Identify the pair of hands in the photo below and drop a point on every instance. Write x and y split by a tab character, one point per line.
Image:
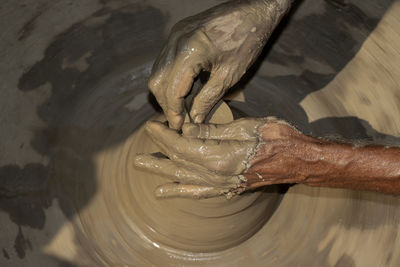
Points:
207	160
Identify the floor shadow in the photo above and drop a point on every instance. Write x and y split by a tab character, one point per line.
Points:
73	65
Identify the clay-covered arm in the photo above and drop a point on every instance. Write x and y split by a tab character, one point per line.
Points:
224	40
208	160
318	162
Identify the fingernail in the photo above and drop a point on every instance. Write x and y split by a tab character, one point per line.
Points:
152	127
178	122
159	192
148	127
175	120
198	119
174	126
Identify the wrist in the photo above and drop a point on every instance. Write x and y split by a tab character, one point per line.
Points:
266	12
328	161
278	7
284	5
270	13
285	155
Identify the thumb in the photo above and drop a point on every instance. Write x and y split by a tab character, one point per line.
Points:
244	129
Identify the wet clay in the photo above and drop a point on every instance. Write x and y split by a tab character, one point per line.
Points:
206	160
127	201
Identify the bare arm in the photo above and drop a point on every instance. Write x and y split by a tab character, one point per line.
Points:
317	162
210	160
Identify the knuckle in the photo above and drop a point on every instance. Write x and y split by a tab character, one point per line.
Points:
153	84
192	43
218	166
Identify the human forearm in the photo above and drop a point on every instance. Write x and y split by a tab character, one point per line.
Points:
215	159
318	162
372	168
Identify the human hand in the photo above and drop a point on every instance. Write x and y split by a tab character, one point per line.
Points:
209	160
224	40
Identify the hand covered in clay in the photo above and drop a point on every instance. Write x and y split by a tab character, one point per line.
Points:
224	40
209	160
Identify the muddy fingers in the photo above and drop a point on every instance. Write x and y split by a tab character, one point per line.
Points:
184	173
241	130
188	191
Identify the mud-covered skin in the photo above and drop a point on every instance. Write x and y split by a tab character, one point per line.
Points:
208	160
224	40
203	164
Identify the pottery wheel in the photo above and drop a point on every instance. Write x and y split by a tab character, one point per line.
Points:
73	100
125	217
